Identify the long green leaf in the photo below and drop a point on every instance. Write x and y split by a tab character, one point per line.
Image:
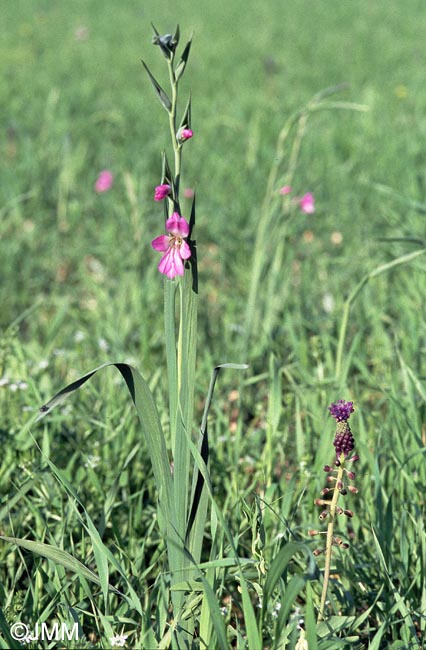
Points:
180	68
57	556
155	440
279	564
197	488
162	96
148	416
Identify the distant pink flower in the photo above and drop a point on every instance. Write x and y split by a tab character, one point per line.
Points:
104	181
174	246
184	134
188	192
307	204
286	189
161	191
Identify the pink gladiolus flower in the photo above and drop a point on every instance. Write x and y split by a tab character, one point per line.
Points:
161	191
174	246
307	204
286	189
184	134
104	181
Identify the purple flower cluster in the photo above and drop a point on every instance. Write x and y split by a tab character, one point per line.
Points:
343	441
341	410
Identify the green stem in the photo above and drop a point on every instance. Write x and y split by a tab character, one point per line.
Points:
329	540
172	126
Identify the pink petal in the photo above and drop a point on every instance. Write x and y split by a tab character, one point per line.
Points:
172	223
104	181
171	264
185	251
177	225
185	134
307	204
161	191
161	243
183	227
286	189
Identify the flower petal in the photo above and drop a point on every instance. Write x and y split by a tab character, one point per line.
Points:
172	224
177	225
185	251
171	264
161	191
183	227
166	265
307	203
161	243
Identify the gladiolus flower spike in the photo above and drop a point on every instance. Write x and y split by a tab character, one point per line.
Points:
338	477
174	246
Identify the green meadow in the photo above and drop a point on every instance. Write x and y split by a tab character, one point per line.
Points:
327	97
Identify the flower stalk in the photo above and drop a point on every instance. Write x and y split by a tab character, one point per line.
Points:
179	266
338	476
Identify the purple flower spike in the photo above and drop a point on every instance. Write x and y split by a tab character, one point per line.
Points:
341	410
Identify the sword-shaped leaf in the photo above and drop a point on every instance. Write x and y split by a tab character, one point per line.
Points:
151	427
180	68
162	96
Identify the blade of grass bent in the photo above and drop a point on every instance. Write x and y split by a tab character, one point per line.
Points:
57	556
154	436
148	416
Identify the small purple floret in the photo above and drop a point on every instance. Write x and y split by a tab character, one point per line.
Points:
341	410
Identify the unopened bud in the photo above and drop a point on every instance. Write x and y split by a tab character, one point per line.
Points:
322	502
349	513
323	515
353	489
318	551
327	468
351	475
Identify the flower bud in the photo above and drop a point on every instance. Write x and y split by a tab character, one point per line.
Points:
184	134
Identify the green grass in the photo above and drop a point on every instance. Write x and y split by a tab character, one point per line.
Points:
80	287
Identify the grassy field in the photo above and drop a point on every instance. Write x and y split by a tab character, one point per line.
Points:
321	306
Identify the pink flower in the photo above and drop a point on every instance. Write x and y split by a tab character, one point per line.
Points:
286	189
173	246
184	134
307	204
188	192
104	181
161	191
